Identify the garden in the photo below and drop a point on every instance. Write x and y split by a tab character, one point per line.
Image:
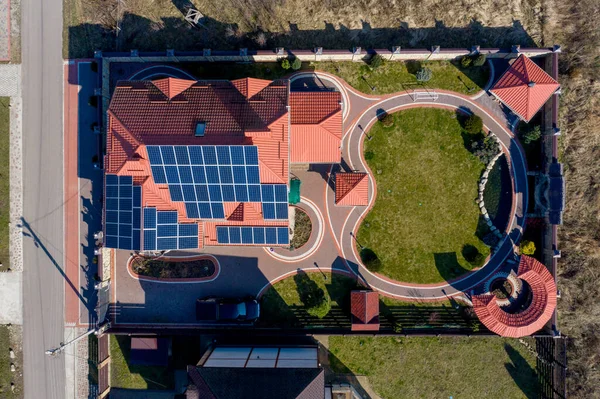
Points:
425	224
302	229
170	269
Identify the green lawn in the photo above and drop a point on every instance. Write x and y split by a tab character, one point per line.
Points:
425	211
438	367
128	376
7	376
4	181
398	76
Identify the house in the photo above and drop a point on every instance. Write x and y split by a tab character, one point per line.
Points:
196	163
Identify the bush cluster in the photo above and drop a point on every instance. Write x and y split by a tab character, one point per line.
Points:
424	75
527	247
529	134
473	124
472	60
485	149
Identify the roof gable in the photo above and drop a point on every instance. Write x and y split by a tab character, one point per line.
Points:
250	86
171	87
351	189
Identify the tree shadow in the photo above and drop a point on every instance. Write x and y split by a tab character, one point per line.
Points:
522	373
309	292
448	266
413	66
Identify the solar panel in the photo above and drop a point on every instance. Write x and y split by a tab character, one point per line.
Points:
281	210
223	235
195	155
167	234
190	230
191	210
254	193
181	155
122	212
247	235
150	240
154	155
172	174
111	179
168	155
185	174
166	217
251	155
210	155
259	235
149	218
237	155
188	242
270	235
283	235
228	192
176	193
268	210
235	235
189	194
253	174
223	155
158	174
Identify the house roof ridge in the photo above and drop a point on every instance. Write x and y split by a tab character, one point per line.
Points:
354	183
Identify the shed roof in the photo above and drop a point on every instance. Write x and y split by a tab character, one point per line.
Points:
351	189
365	310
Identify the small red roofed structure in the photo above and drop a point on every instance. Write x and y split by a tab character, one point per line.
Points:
529	320
365	310
351	189
524	88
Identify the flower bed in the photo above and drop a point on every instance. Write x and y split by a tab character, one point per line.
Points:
167	268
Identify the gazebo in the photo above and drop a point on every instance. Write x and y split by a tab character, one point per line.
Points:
524	88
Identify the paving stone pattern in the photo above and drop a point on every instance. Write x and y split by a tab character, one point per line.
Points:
4	30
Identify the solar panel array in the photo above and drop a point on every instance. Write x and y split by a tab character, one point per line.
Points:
123	212
162	232
206	176
245	235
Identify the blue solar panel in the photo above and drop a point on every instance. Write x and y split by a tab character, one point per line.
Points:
150	240
235	236
112	229
202	193
241	193
125	217
137	196
112	204
226	175
125	230
185	174
251	155
268	193
125	204
166	217
125	191
222	235
259	235
112	217
205	212
158	174
215	193
254	193
228	192
125	180
237	155
188	242
281	193
195	155
135	240
247	235
172	174
136	219
188	230
191	209
125	242
217	211
253	174
281	210
212	174
112	191
112	179
166	230
149	218
168	155
198	174
181	154
283	235
163	244
239	174
154	155
176	193
210	155
271	235
223	155
268	209
112	241
189	194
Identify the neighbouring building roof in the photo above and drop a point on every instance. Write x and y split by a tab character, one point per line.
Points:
192	120
149	351
364	306
316	127
556	193
527	321
256	383
524	87
351	189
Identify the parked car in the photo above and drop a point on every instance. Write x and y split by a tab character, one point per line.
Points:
227	309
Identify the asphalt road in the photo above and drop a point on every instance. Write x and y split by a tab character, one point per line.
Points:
43	283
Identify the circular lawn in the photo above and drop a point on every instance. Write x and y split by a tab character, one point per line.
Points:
425	219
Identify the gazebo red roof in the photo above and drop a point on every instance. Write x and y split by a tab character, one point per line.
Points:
530	320
351	189
365	310
524	88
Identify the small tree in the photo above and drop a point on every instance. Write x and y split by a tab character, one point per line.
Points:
285	63
376	61
387	120
532	134
424	75
473	124
479	60
296	64
527	247
261	39
466	61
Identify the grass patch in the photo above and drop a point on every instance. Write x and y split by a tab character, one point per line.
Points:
4	181
438	367
302	229
399	75
124	375
425	211
498	193
7	376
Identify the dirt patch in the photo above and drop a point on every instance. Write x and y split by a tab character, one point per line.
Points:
168	269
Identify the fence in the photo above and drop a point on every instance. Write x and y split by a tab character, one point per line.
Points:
552	367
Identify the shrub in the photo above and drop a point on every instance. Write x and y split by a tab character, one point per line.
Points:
285	64
485	149
424	75
387	120
466	61
473	124
527	247
376	61
472	255
369	155
370	259
296	64
531	134
479	60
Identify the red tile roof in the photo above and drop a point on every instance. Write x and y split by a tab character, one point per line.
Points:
313	107
351	189
529	321
250	86
365	310
525	87
171	87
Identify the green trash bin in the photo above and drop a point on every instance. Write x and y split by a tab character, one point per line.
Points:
294	191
